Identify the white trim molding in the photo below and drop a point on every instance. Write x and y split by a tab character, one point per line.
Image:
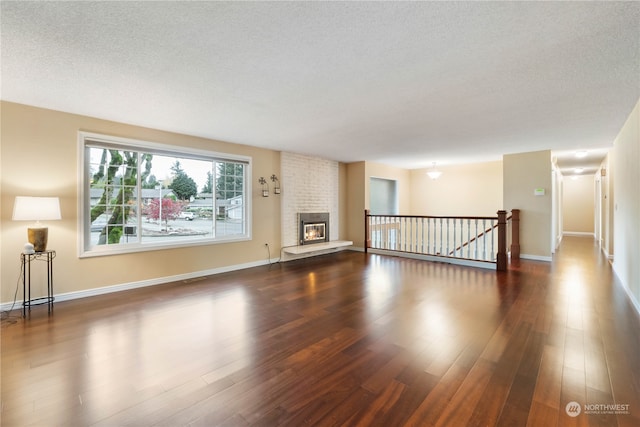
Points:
67	296
579	234
632	299
536	257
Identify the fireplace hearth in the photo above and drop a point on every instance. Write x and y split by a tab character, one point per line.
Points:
314	228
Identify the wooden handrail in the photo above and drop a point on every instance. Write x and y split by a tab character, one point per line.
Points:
432	217
465	244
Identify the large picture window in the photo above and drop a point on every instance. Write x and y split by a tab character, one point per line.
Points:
140	196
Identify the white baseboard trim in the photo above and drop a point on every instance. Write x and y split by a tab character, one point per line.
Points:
143	283
634	302
578	234
536	257
456	261
606	254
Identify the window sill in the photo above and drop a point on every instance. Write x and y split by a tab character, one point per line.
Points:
137	248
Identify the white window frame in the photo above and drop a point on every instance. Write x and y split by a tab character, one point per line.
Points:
84	201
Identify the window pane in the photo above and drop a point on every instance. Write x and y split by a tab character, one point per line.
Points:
230	212
183	214
137	197
113	175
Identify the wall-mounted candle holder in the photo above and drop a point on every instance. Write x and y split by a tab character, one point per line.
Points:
276	184
265	187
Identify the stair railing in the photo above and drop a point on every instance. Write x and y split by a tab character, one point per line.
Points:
467	239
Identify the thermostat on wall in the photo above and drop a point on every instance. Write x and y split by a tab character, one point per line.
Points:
538	192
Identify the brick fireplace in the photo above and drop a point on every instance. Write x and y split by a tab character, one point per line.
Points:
309	185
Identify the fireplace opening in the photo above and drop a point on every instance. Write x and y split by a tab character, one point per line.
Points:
314	228
314	231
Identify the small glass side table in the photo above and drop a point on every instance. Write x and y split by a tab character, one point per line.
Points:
26	260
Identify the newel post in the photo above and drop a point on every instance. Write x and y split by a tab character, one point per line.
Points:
515	234
501	261
367	237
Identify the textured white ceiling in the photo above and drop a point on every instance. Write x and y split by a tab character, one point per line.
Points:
402	83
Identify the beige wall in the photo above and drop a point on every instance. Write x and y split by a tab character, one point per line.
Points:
401	176
39	158
470	189
578	205
358	177
522	174
557	188
626	206
356	202
604	178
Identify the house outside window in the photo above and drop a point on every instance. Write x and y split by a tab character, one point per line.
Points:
138	196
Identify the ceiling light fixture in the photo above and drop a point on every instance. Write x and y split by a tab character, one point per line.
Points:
578	170
581	154
433	172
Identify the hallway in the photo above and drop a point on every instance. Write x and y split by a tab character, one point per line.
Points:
592	351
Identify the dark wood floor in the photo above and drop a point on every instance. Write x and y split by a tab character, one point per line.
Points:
344	339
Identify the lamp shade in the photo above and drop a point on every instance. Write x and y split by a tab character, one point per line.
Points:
36	208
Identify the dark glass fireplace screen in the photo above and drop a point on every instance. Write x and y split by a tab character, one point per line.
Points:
314	231
314	228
